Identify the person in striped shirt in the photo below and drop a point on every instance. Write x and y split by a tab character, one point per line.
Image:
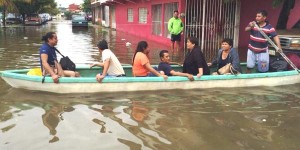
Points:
258	45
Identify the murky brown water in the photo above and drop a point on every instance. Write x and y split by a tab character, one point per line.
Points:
245	118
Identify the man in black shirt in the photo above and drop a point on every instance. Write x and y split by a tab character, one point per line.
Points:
165	66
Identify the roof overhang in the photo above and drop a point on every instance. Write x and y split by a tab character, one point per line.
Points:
113	2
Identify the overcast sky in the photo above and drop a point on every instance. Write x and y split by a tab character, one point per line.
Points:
66	3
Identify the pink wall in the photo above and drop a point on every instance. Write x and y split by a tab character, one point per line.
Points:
248	12
136	28
294	15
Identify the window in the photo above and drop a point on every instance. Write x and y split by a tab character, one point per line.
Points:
142	15
130	15
103	12
157	19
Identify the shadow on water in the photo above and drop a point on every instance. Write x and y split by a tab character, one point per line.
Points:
256	118
224	118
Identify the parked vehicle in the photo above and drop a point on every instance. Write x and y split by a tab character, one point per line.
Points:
54	17
13	20
289	44
33	19
79	21
43	18
88	17
48	17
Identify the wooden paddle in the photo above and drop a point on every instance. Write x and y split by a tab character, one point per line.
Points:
277	48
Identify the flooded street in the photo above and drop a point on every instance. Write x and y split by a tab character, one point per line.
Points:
227	119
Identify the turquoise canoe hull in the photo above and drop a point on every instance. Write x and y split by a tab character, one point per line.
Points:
88	84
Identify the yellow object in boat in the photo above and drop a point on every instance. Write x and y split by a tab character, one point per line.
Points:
35	72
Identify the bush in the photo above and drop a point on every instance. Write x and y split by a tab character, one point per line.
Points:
68	15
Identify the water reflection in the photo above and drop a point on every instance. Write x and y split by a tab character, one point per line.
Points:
19	45
52	116
235	119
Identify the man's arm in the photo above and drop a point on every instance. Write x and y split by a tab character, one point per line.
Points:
97	64
105	66
181	27
250	26
104	72
175	63
149	68
170	25
200	72
189	76
277	41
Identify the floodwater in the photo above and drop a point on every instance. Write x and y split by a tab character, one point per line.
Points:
227	119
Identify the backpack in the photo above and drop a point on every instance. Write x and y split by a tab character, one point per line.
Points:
66	63
277	64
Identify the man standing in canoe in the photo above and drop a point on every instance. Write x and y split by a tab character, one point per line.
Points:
258	46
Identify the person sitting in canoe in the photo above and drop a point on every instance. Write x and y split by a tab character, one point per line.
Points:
165	66
227	54
111	65
48	59
194	62
140	63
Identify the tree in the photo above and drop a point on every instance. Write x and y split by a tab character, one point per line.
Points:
36	6
86	6
284	13
9	5
6	5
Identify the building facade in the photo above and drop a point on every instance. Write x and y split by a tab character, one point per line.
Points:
208	20
74	8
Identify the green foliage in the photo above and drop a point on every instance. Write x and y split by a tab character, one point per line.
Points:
7	5
36	6
68	15
23	7
86	6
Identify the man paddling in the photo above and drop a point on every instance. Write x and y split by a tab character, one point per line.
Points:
258	46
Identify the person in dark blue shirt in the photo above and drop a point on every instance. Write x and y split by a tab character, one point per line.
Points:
165	66
48	59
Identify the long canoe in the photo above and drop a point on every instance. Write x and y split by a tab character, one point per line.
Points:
87	82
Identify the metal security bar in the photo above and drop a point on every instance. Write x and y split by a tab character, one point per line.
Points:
211	21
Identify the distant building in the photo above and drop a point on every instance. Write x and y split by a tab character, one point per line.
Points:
74	8
100	13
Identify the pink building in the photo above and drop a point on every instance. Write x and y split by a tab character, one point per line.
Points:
248	13
148	19
209	20
74	8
